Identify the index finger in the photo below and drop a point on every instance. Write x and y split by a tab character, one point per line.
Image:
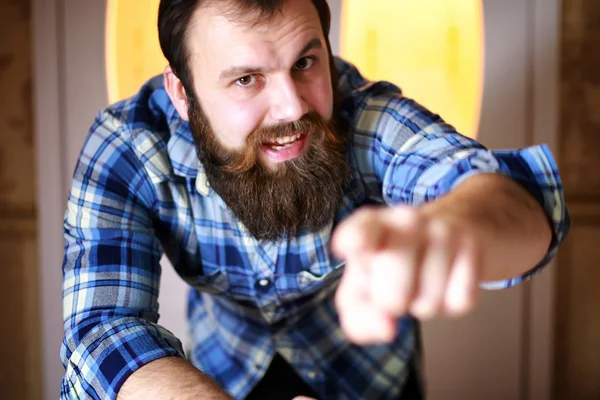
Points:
369	229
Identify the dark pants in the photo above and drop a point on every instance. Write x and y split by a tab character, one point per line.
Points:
282	383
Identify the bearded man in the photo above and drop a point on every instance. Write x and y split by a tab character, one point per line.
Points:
316	216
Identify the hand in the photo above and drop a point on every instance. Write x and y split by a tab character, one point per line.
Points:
399	260
303	398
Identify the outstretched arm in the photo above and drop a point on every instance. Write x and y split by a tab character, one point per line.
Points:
430	260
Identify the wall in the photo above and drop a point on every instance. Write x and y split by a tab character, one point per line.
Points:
577	363
19	327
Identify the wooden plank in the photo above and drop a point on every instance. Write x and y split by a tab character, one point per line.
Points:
16	131
580	94
577	367
20	370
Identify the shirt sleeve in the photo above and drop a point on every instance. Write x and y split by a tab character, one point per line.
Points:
408	155
111	270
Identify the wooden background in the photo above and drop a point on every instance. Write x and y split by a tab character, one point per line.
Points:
19	323
577	362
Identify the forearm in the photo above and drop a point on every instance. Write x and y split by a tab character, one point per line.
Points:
508	222
170	378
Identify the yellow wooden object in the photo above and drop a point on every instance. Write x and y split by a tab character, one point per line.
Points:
432	49
133	52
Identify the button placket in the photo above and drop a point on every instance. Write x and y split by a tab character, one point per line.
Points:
265	258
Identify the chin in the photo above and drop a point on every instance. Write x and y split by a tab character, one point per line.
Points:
273	166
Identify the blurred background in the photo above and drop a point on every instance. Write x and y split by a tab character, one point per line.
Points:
509	72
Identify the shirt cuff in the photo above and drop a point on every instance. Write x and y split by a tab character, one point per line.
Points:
533	167
112	351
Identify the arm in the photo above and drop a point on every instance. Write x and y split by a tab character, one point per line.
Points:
459	217
170	378
111	278
510	226
429	260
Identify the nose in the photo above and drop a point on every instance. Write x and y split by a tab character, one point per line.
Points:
287	103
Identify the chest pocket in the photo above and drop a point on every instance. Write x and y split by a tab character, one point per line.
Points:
216	282
309	281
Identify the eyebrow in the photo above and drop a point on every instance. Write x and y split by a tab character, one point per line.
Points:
243	70
312	45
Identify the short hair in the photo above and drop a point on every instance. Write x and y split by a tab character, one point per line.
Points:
174	18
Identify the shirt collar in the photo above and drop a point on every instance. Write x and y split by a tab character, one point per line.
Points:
181	147
182	152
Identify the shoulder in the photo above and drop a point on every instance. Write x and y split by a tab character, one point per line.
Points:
378	110
140	126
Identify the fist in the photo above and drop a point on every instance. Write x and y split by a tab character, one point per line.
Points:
398	261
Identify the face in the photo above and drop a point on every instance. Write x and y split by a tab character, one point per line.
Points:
261	116
248	76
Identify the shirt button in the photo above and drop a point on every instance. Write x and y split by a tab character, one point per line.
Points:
264	282
311	375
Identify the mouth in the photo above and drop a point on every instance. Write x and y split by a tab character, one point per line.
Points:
285	148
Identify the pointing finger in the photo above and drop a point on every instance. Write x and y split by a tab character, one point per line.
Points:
368	229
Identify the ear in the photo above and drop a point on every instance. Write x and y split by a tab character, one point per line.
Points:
176	93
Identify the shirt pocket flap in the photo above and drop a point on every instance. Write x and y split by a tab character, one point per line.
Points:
309	281
215	282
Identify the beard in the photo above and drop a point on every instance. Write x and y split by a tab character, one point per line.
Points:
275	203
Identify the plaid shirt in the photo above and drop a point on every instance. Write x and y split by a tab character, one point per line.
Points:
139	191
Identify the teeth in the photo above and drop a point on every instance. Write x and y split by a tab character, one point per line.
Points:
288	139
278	148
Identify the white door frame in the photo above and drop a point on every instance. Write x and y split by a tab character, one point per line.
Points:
51	187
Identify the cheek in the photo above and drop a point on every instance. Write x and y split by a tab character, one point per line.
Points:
319	95
234	122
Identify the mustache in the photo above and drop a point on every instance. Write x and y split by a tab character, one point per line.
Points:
310	124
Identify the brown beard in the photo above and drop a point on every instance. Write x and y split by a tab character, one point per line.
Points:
303	193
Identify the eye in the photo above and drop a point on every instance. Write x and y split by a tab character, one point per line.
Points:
304	63
247	80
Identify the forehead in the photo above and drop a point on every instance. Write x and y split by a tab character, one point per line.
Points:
217	39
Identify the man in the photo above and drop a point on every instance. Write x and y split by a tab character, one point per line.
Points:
316	216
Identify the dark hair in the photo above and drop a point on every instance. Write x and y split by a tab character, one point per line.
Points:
174	18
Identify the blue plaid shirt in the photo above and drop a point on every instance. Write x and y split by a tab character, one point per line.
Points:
139	192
